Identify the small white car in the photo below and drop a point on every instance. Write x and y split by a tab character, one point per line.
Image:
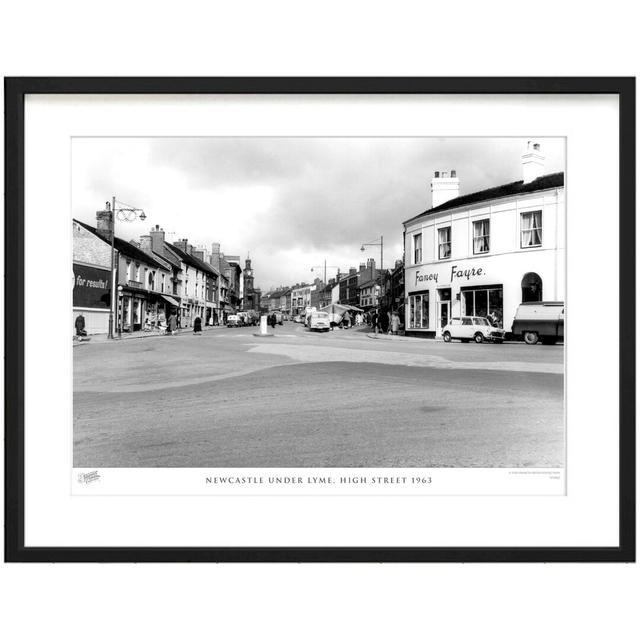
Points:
474	328
318	321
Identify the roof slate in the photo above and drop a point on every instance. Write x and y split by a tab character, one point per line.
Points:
549	181
192	261
124	247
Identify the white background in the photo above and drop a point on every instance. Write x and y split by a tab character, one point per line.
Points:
331	38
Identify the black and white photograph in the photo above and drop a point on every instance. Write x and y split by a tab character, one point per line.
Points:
318	302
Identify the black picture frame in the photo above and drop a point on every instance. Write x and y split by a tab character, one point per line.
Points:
15	91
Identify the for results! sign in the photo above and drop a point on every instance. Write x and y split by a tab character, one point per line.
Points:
91	287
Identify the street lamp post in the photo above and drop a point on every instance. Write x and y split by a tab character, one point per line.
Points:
125	213
120	310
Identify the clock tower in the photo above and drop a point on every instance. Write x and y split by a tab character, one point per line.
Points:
248	302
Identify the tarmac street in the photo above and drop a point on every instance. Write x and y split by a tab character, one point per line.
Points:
226	398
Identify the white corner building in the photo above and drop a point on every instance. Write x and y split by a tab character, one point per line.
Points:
485	253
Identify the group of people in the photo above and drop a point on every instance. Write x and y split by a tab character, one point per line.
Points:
385	321
379	321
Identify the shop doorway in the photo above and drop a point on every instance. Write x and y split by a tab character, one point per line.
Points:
444	309
445	315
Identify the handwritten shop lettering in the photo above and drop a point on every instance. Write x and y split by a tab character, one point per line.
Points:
465	273
426	277
456	274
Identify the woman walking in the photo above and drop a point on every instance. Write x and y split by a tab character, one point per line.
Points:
173	324
395	323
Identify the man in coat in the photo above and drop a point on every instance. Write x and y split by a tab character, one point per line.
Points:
80	330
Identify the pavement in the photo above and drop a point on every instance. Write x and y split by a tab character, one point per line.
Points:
225	398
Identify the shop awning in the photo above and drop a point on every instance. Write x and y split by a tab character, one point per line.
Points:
170	301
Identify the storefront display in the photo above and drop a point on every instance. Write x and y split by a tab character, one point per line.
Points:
419	311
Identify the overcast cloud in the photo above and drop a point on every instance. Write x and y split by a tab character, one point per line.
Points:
289	202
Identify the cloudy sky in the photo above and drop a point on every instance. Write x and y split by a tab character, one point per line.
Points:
291	203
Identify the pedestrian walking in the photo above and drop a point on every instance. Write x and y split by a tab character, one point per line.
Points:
173	324
197	325
395	323
80	330
383	321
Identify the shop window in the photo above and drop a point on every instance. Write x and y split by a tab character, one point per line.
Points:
444	243
417	248
481	236
531	229
485	303
531	287
419	311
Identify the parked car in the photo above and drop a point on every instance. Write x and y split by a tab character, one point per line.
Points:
539	321
476	328
234	321
299	318
318	321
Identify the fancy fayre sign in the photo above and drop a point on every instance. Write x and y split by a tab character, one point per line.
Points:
90	287
452	273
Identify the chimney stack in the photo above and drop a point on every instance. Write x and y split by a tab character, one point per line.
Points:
157	240
146	244
104	222
215	255
445	186
532	162
352	271
183	245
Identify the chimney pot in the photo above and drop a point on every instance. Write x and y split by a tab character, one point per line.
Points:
532	162
444	187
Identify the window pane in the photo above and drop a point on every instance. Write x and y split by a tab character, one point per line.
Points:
482	303
468	303
481	236
425	311
495	306
417	248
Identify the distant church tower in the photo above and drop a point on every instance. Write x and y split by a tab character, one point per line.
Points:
248	301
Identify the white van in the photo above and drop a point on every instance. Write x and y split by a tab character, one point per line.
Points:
539	321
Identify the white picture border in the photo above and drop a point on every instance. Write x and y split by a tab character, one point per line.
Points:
586	516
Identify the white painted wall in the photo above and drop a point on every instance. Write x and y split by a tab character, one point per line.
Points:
506	262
